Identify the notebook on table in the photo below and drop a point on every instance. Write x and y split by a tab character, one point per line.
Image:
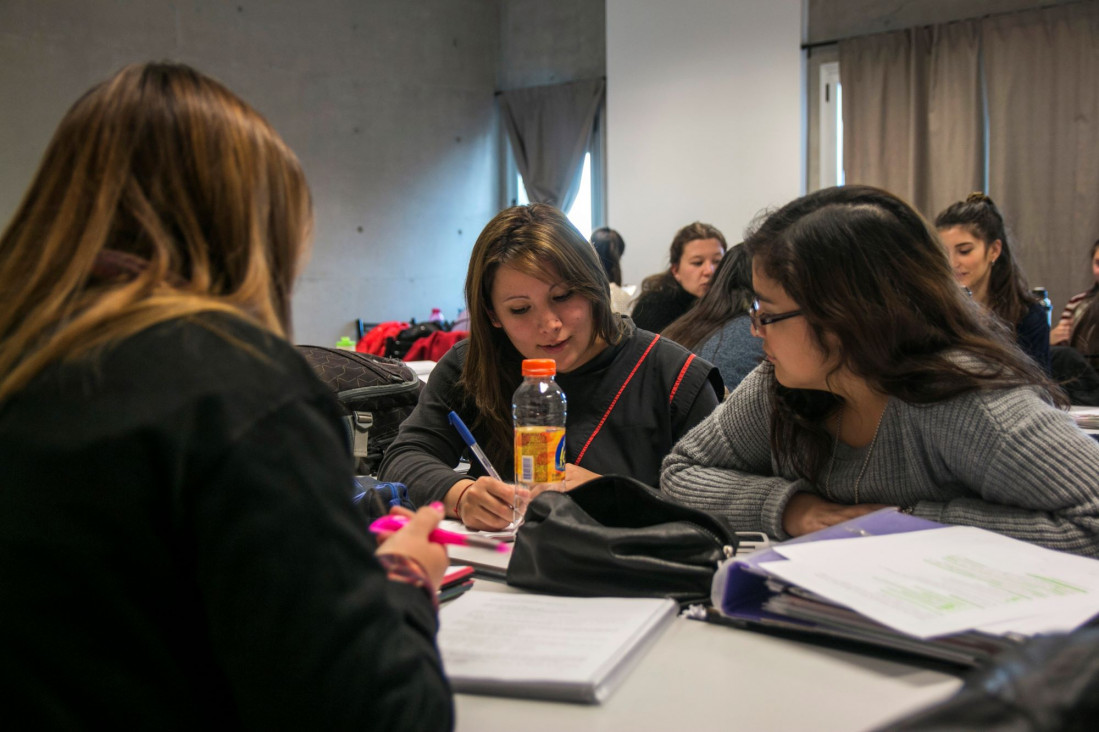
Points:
575	649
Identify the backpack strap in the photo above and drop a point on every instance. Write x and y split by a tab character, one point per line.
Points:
618	394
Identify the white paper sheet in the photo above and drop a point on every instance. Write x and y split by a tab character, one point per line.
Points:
942	581
459	528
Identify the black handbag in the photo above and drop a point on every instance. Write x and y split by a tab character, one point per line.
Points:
617	537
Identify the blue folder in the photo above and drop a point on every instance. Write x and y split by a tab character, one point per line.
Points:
743	592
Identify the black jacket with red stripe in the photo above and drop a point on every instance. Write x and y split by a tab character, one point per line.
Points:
669	391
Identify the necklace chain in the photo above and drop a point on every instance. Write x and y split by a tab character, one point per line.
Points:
865	462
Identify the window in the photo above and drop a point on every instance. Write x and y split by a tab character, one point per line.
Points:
831	126
580	213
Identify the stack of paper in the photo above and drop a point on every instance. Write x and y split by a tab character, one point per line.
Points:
1086	417
956	593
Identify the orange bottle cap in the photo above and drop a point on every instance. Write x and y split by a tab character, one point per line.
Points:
539	367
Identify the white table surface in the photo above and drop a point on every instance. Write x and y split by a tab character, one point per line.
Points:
704	676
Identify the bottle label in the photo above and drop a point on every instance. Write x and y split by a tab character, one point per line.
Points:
539	454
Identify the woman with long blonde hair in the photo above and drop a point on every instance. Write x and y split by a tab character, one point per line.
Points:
178	541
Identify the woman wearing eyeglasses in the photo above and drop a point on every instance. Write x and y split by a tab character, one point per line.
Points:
884	385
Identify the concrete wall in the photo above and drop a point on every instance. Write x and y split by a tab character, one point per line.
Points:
551	42
704	118
388	103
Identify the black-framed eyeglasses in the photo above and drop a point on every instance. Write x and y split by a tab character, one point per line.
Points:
759	321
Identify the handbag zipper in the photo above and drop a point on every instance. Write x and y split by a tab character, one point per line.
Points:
727	549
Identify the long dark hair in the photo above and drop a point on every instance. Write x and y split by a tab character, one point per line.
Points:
1009	295
539	241
1094	289
867	269
161	195
697	230
730	295
610	246
1085	325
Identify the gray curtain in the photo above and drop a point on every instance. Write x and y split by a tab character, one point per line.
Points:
912	113
1042	73
550	128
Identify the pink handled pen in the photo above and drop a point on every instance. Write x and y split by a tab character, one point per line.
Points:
439	536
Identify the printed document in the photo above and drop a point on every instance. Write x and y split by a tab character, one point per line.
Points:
949	580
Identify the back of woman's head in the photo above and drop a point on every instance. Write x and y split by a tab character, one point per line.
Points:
730	295
609	246
866	268
1008	294
538	241
161	194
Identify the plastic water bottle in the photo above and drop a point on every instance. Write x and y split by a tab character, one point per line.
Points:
538	410
1043	299
436	316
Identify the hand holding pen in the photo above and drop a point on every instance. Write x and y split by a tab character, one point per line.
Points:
471	443
395	522
485	503
412	539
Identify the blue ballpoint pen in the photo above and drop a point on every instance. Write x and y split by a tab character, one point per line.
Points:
467	436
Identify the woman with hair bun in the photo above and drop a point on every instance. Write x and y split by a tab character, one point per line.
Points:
884	385
973	233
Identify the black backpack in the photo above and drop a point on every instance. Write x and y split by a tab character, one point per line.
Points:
398	346
377	394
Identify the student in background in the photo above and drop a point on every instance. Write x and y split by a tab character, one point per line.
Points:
693	256
974	235
535	289
1077	304
718	327
885	386
1074	342
178	543
609	246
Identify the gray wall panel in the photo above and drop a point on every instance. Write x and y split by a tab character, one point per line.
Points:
388	103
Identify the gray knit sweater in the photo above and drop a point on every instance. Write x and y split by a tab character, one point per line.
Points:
1003	460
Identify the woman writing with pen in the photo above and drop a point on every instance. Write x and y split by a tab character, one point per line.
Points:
535	289
179	548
